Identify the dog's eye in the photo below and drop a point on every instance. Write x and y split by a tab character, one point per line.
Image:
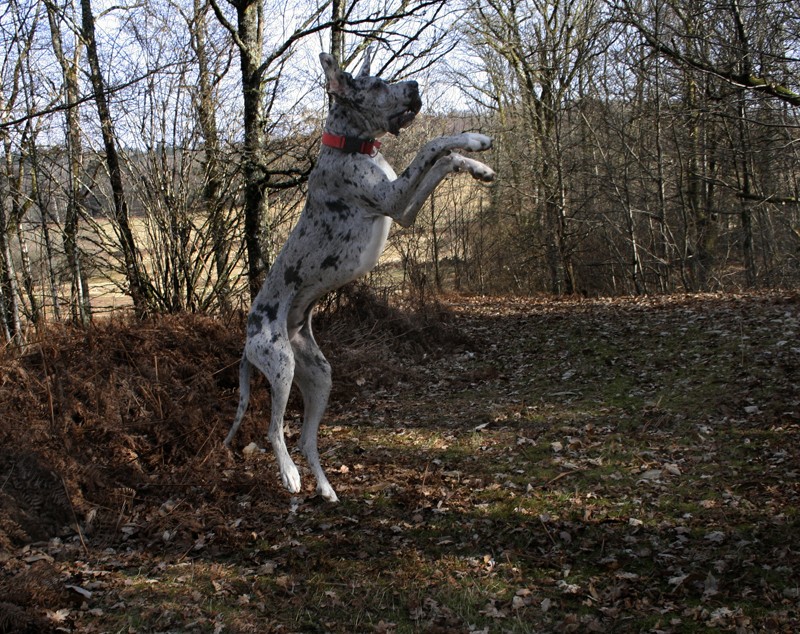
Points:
378	85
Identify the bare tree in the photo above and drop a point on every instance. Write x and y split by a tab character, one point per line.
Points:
80	306
746	56
213	168
719	39
534	53
139	285
12	98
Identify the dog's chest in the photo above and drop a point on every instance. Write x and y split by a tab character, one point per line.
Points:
346	218
374	243
335	241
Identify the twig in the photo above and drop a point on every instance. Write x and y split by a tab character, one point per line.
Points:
562	475
541	521
425	475
8	477
74	516
49	392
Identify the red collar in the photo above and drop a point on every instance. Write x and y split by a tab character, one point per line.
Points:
351	144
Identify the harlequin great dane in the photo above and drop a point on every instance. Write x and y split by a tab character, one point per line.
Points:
353	196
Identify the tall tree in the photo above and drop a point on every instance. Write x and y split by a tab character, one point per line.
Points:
139	285
248	34
543	46
12	99
213	168
80	306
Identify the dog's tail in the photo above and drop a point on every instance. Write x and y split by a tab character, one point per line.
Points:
244	397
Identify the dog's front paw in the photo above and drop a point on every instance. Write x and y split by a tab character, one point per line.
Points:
484	174
475	142
476	169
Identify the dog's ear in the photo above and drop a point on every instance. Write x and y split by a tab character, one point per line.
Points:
335	82
364	72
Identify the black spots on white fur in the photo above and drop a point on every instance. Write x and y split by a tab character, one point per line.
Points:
292	277
255	322
340	208
270	311
327	230
331	262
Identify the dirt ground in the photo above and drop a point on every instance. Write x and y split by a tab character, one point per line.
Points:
504	465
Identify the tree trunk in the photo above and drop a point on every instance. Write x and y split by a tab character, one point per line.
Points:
213	184
9	293
79	303
137	282
250	32
337	30
705	230
36	194
10	287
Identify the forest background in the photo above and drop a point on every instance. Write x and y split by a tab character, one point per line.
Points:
512	457
155	154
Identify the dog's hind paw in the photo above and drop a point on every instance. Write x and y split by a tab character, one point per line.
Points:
326	492
291	478
475	142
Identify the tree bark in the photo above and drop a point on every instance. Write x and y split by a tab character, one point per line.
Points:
80	306
250	31
213	172
138	285
337	30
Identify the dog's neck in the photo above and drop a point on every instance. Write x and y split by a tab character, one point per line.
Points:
345	120
351	144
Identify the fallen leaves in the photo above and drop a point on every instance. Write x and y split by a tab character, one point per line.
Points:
587	466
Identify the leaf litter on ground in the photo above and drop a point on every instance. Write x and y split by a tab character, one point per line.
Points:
506	465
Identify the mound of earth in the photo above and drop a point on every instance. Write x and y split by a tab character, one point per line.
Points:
96	418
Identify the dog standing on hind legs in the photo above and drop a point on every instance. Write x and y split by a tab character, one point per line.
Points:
353	197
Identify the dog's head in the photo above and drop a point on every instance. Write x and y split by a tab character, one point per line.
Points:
370	106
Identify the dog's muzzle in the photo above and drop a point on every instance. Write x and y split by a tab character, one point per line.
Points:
404	118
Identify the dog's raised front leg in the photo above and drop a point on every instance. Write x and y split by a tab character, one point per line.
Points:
406	216
432	151
398	195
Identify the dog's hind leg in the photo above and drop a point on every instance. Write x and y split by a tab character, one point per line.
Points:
272	354
313	377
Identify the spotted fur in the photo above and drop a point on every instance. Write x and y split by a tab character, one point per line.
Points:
352	201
